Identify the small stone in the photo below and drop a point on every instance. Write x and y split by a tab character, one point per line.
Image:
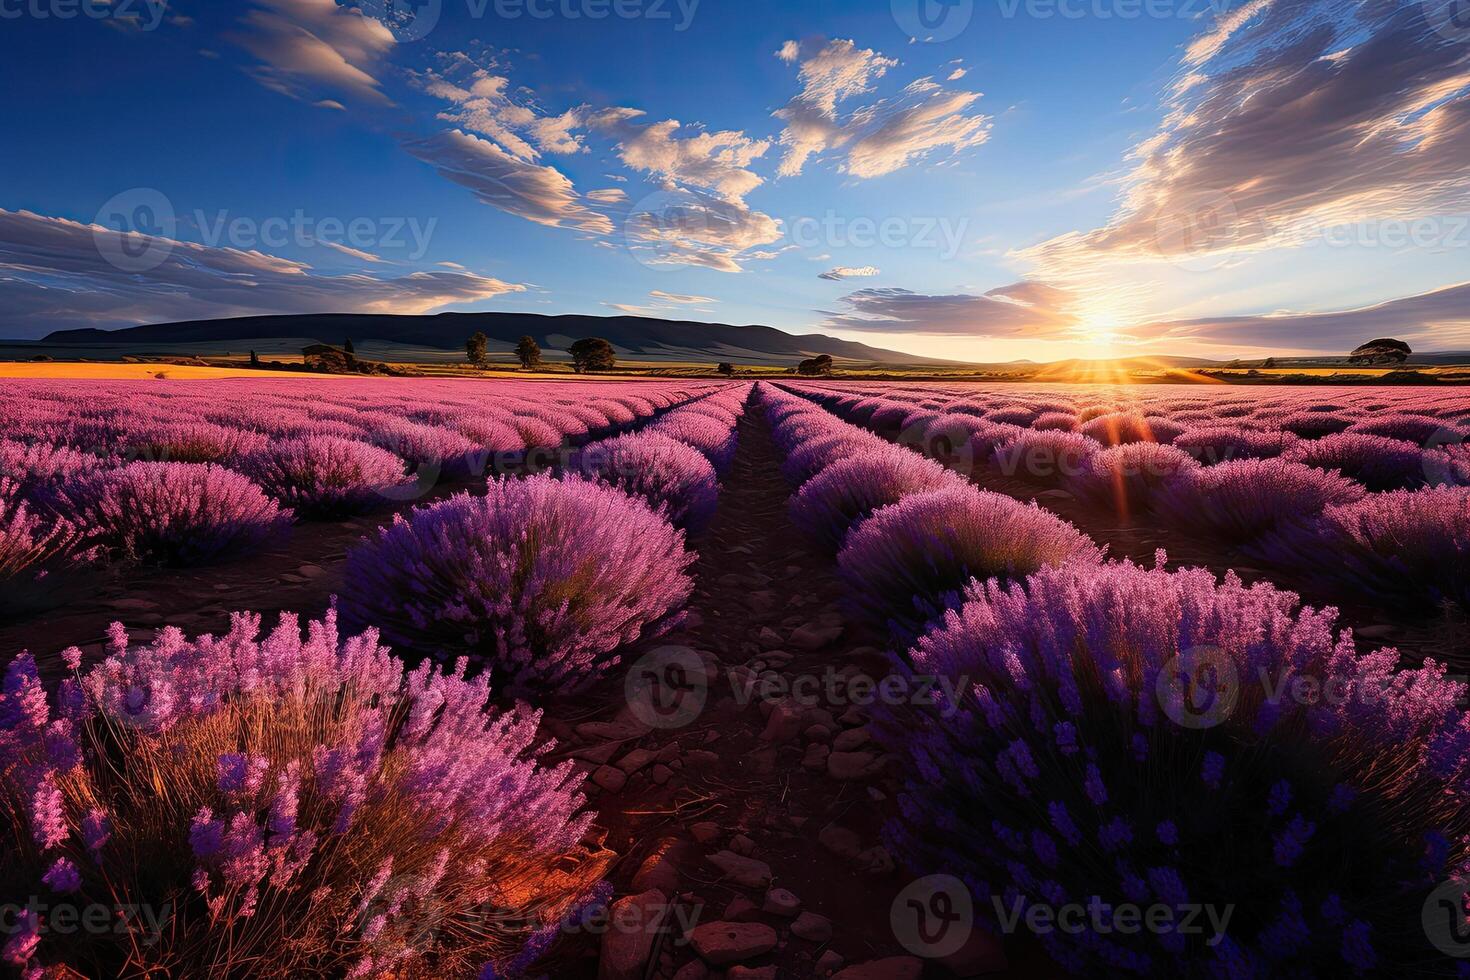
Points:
853	738
818	733
812	927
744	871
605	730
814	637
699	758
705	832
639	758
768	638
829	961
610	779
742	845
815	758
723	943
693	970
892	968
626	949
740	909
598	755
782	902
662	774
751	973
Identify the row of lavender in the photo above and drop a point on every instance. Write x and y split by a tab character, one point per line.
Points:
1375	480
1122	738
293	805
192	472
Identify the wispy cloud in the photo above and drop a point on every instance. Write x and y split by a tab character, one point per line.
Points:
849	272
304	46
537	193
54	274
1023	310
681	298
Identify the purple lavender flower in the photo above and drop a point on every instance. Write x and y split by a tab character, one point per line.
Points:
543	579
63	876
170	513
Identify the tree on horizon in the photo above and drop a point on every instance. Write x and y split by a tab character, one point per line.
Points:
476	348
528	352
592	354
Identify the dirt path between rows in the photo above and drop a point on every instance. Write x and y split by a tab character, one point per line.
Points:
765	815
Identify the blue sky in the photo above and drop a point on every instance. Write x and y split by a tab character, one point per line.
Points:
1035	178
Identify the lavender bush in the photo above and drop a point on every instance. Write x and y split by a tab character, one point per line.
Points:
27	539
1217	444
1246	498
1411	427
1117	428
541	580
713	438
1126	478
324	477
168	513
912	559
1377	462
1044	457
852	487
293	806
1062	774
671	476
1401	547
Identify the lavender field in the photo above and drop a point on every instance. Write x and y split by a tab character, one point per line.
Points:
616	679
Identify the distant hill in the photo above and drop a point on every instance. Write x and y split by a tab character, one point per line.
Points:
634	337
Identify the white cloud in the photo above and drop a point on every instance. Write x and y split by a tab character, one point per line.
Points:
689	156
882	136
849	272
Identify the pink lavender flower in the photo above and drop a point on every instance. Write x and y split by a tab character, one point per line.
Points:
324	477
48	813
170	513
